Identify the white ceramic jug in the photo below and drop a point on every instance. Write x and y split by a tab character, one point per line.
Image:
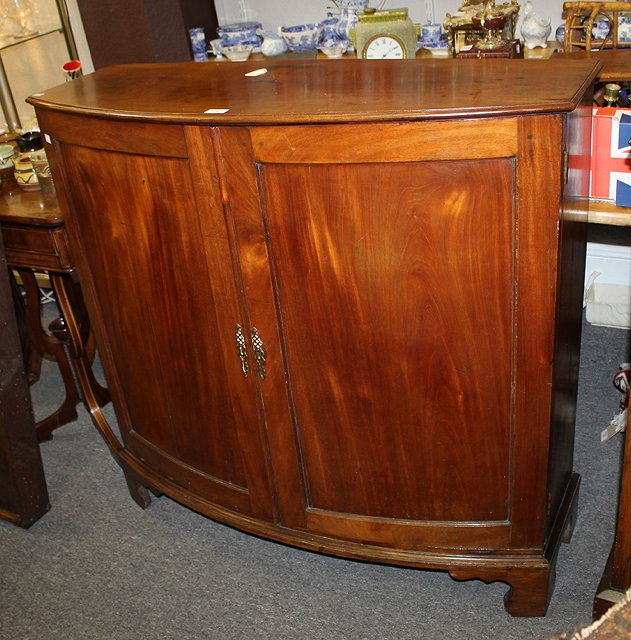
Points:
534	30
273	44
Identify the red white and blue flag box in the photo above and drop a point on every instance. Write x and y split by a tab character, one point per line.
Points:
611	155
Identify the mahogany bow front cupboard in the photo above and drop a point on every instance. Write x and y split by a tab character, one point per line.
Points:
332	313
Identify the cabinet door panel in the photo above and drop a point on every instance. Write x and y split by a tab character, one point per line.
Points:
395	289
170	305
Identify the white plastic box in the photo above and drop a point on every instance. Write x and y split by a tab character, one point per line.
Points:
608	285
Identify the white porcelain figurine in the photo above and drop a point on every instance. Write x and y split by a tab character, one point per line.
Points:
534	30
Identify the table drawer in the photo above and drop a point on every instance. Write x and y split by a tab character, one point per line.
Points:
37	248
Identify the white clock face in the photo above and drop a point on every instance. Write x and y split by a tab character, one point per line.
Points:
384	47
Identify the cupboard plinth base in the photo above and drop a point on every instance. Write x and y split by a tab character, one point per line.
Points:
530	574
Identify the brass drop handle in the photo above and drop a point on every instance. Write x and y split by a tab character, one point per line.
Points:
260	356
242	350
258	348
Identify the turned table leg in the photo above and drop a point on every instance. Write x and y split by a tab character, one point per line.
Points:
74	326
48	344
68	341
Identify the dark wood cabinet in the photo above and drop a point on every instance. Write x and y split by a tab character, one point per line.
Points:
121	31
334	315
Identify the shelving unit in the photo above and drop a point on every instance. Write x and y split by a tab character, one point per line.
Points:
601	212
580	21
9	47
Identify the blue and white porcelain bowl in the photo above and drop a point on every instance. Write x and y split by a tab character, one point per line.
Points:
334	49
238	52
240	33
302	37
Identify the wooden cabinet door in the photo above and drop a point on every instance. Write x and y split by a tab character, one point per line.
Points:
412	378
149	222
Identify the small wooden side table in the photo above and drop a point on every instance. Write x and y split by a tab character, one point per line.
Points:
35	239
616	68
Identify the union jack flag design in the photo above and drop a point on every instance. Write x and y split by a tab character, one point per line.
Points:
611	155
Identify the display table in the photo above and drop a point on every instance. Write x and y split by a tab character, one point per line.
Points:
338	303
602	212
36	240
616	62
616	68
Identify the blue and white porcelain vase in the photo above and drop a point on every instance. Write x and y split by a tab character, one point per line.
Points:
330	36
559	34
534	30
349	16
624	28
601	29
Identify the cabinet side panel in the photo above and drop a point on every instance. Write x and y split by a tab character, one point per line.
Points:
395	285
572	251
539	172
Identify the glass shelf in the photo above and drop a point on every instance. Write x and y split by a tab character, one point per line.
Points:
6	42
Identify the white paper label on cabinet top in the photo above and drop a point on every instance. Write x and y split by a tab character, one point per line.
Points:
216	110
256	72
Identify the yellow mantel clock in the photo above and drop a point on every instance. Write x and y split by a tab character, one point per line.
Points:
385	34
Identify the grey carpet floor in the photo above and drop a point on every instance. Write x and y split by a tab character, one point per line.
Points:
97	566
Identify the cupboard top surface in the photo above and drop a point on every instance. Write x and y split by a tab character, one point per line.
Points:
309	91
